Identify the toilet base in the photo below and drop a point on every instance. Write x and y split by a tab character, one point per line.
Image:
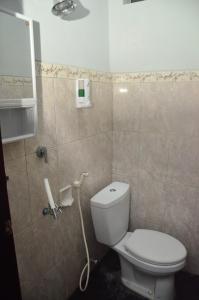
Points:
145	284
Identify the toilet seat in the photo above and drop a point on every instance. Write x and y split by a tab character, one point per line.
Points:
155	248
151	268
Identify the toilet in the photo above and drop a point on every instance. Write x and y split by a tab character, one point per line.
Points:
149	259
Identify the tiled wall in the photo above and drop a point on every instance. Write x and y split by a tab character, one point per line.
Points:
156	149
13	87
155	142
50	253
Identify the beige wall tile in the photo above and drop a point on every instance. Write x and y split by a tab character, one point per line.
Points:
18	194
127	107
102	95
47	236
55	283
183	159
154	153
38	170
155	115
33	290
182	109
28	249
45	91
149	209
67	125
92	155
170	107
46	134
46	131
13	151
181	218
153	147
125	152
98	118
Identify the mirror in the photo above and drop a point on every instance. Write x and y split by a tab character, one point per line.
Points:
18	103
16	57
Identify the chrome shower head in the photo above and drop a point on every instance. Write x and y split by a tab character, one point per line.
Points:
63	7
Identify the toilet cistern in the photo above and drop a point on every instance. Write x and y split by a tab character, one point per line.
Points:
149	259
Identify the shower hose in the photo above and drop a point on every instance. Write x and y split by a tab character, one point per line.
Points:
86	269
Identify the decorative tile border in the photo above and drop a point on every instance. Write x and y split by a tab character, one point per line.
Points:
61	71
15	80
156	76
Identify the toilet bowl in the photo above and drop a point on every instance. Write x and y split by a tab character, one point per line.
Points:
149	259
149	278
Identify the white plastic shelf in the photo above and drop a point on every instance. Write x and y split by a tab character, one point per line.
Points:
17	123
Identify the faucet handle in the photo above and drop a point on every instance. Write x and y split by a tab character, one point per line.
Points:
42	152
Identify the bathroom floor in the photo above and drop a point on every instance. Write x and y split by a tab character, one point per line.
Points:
105	284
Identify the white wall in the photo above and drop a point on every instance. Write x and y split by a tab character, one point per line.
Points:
154	35
82	43
150	35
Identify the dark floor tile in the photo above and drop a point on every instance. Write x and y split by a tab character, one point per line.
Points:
187	286
105	284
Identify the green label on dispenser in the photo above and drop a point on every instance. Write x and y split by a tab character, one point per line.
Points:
81	93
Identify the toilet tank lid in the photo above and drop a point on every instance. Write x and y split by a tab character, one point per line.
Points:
110	195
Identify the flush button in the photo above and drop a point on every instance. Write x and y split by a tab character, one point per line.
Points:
113	190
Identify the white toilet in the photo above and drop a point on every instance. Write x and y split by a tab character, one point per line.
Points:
149	259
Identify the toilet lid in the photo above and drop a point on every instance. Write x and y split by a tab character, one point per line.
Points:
155	247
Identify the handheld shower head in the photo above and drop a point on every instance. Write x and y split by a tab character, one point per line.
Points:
63	7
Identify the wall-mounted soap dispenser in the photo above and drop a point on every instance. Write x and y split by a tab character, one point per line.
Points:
83	93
